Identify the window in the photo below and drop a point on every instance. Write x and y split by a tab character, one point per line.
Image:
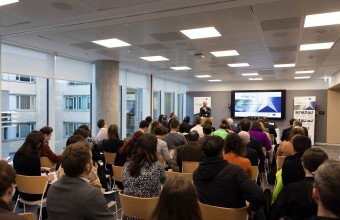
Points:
134	103
169	103
23	129
156	104
77	103
20	78
72	83
25	102
180	103
17	78
70	127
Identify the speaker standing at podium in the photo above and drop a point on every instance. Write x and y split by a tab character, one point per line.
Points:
205	111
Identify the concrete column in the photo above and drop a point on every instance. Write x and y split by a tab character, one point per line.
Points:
107	91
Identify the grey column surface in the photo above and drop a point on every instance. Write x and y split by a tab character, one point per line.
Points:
107	91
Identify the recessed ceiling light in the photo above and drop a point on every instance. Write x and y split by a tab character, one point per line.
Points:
198	33
154	58
111	43
319	46
284	65
202	76
214	80
225	53
255	78
249	74
322	19
302	77
180	68
7	2
304	71
238	64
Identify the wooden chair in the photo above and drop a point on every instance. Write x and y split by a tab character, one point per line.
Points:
109	157
162	160
140	208
32	185
279	162
189	166
46	162
28	216
185	175
255	173
117	174
219	213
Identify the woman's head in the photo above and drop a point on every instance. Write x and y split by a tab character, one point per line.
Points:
47	132
312	158
180	193
154	125
295	131
33	143
256	126
112	131
235	144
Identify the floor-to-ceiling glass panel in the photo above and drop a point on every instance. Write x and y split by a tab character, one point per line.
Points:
169	103
73	104
180	100
24	108
134	102
156	104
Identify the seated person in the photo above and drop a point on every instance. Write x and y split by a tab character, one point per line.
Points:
197	126
286	131
221	131
257	132
142	173
47	152
162	146
207	131
71	197
295	200
235	151
113	142
286	147
220	183
251	153
174	139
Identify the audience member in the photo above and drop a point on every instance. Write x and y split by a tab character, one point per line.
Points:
271	128
172	116
295	200
165	121
221	131
257	132
197	126
192	151
46	151
235	152
174	139
128	148
71	197
162	146
220	183
251	154
183	129
148	119
142	173
153	126
208	121
26	161
207	131
160	118
7	183
325	191
298	123
102	133
286	147
234	128
187	120
178	201
286	131
113	142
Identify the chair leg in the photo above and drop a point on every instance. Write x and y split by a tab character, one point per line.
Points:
16	203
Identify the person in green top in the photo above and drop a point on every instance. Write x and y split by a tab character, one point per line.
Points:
222	130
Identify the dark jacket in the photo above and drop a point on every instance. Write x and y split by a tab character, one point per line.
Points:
295	201
292	170
285	134
252	156
6	212
189	152
219	183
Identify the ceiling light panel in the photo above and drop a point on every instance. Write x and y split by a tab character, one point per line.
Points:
154	58
322	19
180	68
238	64
284	65
255	78
202	76
249	74
214	80
199	33
304	71
225	53
302	77
7	2
111	43
318	46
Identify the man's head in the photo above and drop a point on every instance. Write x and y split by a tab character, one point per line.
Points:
230	121
244	124
297	123
325	191
184	127
101	123
81	132
265	119
313	158
74	139
174	124
160	131
7	181
301	143
213	146
205	103
207	129
143	125
193	136
77	160
245	136
148	119
291	121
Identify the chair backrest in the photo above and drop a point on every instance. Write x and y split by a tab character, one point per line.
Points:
46	162
117	172
219	213
162	160
185	175
141	208
109	157
189	166
255	173
271	139
32	184
279	162
28	215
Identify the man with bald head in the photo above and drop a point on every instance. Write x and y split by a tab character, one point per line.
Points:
205	111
